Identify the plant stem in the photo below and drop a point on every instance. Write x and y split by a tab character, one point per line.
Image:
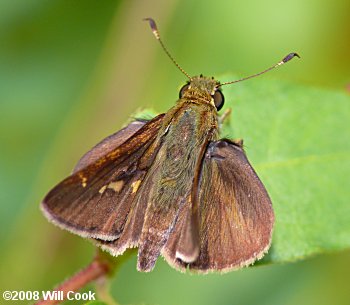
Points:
98	268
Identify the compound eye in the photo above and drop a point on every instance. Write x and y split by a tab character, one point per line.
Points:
218	99
183	89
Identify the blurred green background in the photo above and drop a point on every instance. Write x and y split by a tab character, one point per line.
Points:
72	72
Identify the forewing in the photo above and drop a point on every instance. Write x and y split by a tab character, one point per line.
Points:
235	213
96	199
108	144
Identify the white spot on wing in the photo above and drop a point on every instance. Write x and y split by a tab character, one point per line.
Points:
116	185
135	186
83	180
102	189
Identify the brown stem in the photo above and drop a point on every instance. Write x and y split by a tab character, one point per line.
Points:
96	269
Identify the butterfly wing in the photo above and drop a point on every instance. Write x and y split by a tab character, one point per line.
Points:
167	186
235	214
95	200
108	144
203	207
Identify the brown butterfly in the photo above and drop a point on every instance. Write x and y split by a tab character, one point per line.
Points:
170	187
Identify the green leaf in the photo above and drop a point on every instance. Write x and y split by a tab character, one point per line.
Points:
297	139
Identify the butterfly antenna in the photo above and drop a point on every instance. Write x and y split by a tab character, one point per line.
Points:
155	31
283	61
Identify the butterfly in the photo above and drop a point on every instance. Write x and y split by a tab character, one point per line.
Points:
170	186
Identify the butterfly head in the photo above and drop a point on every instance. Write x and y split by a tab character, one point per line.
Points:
202	87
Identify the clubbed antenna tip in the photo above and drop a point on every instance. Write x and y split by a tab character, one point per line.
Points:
283	61
153	26
289	57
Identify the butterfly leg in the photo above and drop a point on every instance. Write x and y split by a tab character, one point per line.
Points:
225	116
